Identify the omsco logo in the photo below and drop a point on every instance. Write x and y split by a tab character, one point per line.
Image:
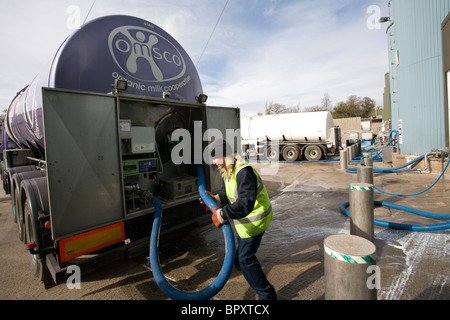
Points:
146	55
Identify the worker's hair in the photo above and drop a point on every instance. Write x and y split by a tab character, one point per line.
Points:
230	162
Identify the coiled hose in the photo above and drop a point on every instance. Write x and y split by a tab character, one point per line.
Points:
228	263
417	193
402	226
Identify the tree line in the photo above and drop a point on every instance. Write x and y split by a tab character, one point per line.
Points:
354	107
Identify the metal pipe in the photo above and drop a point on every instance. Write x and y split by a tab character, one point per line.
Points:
426	163
39	161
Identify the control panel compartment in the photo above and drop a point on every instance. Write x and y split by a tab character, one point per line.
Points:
139	166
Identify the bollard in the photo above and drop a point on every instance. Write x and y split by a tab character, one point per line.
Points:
349	154
364	174
355	150
343	158
348	157
348	264
368	159
361	210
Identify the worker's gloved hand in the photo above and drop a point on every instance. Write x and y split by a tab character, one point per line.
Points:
217	218
215	197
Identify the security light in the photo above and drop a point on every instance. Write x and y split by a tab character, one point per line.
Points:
202	98
120	85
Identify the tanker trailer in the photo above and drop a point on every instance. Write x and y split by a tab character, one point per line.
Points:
290	136
94	143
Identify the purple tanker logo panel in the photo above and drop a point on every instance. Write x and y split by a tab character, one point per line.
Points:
126	48
146	55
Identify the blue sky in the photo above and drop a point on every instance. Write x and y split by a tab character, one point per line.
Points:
282	51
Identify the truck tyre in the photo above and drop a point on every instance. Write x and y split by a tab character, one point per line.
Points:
313	153
35	199
16	198
290	153
272	153
19	217
35	262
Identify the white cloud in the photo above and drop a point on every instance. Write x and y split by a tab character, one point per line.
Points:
314	53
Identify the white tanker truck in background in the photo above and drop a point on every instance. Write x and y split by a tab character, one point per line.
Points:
290	136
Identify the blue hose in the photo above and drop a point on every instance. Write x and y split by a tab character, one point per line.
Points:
390	170
227	266
417	193
402	226
247	157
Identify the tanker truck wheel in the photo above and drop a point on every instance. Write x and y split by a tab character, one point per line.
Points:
35	262
290	153
35	200
19	216
313	153
272	153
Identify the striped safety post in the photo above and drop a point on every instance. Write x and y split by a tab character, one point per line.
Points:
350	267
362	210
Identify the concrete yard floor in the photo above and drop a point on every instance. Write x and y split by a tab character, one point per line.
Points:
305	199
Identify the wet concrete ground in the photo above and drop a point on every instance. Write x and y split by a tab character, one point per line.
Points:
305	199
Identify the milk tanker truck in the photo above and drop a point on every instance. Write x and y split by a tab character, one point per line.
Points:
290	136
82	157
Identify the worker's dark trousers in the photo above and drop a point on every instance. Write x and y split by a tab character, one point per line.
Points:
251	268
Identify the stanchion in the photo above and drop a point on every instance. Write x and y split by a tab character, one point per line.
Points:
348	262
349	153
343	158
368	159
364	174
362	211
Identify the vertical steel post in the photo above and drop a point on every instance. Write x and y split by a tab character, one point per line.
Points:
343	154
350	154
368	159
362	211
365	174
350	264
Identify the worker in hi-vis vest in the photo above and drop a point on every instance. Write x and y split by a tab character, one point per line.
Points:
247	203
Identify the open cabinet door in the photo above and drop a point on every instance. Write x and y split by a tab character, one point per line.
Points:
83	161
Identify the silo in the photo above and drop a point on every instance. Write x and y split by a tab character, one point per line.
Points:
416	74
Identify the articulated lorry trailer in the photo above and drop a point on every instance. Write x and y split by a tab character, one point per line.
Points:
290	136
81	159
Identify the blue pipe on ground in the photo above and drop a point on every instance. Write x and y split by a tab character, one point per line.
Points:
228	263
415	194
247	157
390	170
402	226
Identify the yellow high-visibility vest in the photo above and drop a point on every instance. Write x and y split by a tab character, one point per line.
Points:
259	219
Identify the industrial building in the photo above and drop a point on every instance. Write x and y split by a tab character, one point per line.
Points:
417	87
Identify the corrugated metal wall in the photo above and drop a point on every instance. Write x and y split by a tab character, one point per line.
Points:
446	62
416	73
